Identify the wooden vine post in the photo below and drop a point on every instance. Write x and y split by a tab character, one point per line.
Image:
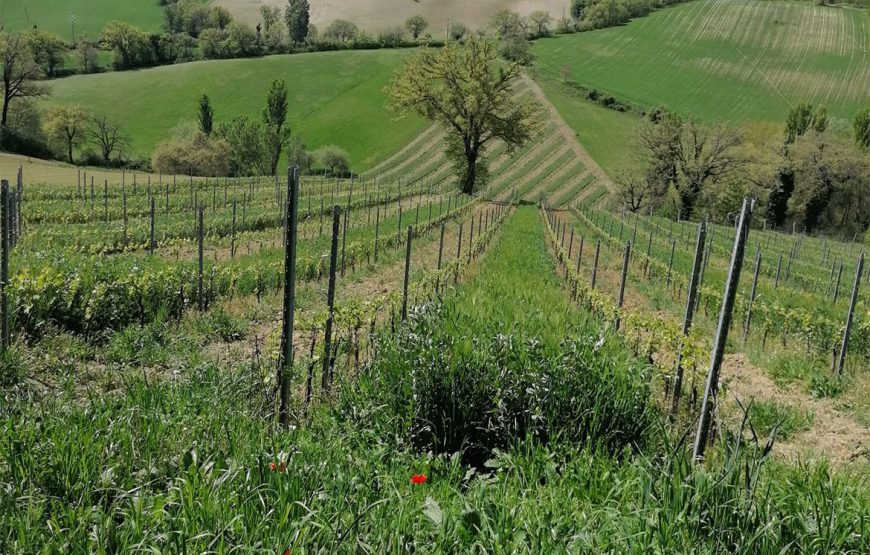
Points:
200	235
289	309
326	376
4	265
752	294
841	362
711	388
687	320
621	299
595	262
407	274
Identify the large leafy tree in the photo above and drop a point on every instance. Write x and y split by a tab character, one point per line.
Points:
297	16
465	89
67	125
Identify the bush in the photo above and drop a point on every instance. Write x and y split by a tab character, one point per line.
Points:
332	159
195	155
341	30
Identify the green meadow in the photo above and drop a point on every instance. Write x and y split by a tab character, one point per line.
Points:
90	15
335	98
737	60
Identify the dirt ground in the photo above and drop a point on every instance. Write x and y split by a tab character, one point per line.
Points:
376	15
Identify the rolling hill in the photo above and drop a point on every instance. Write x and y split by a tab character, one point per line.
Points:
335	98
90	15
737	60
374	15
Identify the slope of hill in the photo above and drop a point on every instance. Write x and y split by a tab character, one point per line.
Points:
374	15
335	98
90	15
731	59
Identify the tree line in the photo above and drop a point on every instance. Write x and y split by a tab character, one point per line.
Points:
802	173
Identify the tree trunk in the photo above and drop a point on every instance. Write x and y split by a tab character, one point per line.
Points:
468	182
69	151
6	100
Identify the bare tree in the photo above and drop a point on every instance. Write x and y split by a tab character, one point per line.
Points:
688	156
635	190
108	137
19	71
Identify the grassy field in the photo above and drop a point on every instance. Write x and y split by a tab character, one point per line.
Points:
335	98
606	134
731	59
91	15
375	15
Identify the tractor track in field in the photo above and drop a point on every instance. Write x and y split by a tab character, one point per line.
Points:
568	134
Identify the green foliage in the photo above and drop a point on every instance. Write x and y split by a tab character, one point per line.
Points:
298	155
769	416
578	8
48	50
341	30
205	115
825	386
130	45
861	127
478	392
13	367
803	118
333	159
67	126
462	88
274	118
238	40
416	26
197	154
193	17
245	139
297	18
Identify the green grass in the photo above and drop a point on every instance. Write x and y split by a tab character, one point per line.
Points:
185	464
788	420
334	98
606	134
91	15
731	59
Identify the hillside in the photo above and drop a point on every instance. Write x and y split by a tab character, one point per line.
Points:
90	15
731	59
374	15
335	98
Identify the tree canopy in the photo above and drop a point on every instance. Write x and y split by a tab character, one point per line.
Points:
462	87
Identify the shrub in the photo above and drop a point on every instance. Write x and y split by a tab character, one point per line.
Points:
332	159
196	155
341	30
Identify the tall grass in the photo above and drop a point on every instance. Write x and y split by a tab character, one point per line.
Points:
185	464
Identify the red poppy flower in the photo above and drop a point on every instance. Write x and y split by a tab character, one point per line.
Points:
286	552
282	467
272	467
418	479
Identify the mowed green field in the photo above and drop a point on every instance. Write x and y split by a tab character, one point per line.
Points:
737	60
335	98
606	134
90	15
